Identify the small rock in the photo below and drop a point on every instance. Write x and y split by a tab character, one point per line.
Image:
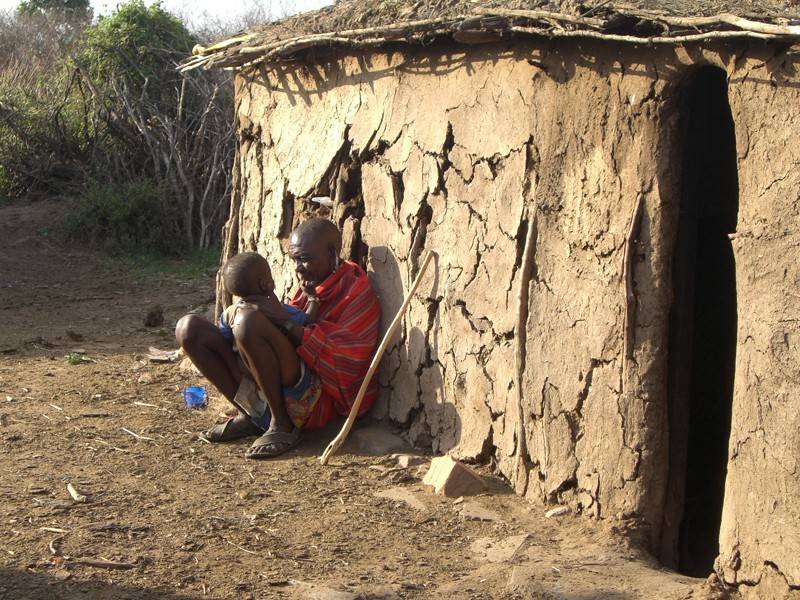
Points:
154	316
408	460
319	592
399	494
145	378
557	511
377	440
453	479
74	336
499	550
472	511
187	365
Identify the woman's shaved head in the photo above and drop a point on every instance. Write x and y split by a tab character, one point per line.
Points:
320	230
314	246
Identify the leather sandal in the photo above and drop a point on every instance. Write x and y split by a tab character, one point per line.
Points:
235	428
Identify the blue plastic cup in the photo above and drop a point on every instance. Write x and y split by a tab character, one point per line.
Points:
195	396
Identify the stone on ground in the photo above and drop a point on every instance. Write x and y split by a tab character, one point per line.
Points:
408	460
499	550
314	591
377	441
557	511
473	511
452	478
399	494
187	365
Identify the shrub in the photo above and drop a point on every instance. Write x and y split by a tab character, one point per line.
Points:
43	132
136	49
136	216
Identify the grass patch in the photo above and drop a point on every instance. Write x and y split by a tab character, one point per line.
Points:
192	265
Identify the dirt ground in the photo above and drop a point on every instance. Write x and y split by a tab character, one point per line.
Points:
193	520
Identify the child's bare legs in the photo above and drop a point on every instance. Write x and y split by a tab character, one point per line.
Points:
210	352
271	359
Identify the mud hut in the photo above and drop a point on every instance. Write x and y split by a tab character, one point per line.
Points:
612	193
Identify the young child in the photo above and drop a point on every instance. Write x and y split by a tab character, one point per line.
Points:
246	276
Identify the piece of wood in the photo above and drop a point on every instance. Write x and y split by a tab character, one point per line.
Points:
631	240
632	39
137	436
720	19
541	15
105	564
520	353
76	495
376	360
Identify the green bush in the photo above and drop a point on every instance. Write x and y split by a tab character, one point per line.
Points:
136	216
137	45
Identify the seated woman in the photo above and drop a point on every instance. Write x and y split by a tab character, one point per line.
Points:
329	357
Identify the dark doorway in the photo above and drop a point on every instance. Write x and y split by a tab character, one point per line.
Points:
702	346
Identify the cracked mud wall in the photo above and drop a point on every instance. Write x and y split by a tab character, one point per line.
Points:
760	537
463	152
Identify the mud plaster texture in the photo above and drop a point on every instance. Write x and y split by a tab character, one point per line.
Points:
461	152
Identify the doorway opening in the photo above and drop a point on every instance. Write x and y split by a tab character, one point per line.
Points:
703	323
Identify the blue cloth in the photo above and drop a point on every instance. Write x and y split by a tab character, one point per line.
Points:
295	314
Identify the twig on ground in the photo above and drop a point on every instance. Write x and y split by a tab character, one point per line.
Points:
76	495
242	549
53	546
54	529
105	564
137	436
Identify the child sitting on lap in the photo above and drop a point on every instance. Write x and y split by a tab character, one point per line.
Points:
247	276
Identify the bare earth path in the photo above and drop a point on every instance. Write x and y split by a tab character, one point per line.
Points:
193	520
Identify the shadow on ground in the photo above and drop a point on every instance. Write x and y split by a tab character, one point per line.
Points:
27	585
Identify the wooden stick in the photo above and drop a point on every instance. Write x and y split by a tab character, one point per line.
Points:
376	360
137	436
540	15
520	339
105	564
724	18
75	494
627	272
632	39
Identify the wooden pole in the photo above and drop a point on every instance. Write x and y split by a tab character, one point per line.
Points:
348	425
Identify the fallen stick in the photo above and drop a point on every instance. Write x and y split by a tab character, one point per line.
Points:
54	529
242	549
105	564
376	360
136	435
75	494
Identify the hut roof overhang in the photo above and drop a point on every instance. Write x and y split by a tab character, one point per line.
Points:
359	24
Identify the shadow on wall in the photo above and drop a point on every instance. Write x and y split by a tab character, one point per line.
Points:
411	380
25	585
557	59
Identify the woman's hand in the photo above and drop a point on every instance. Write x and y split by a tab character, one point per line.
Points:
270	306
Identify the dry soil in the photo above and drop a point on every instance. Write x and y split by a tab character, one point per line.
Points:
193	520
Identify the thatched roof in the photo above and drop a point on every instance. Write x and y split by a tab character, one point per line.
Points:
371	23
